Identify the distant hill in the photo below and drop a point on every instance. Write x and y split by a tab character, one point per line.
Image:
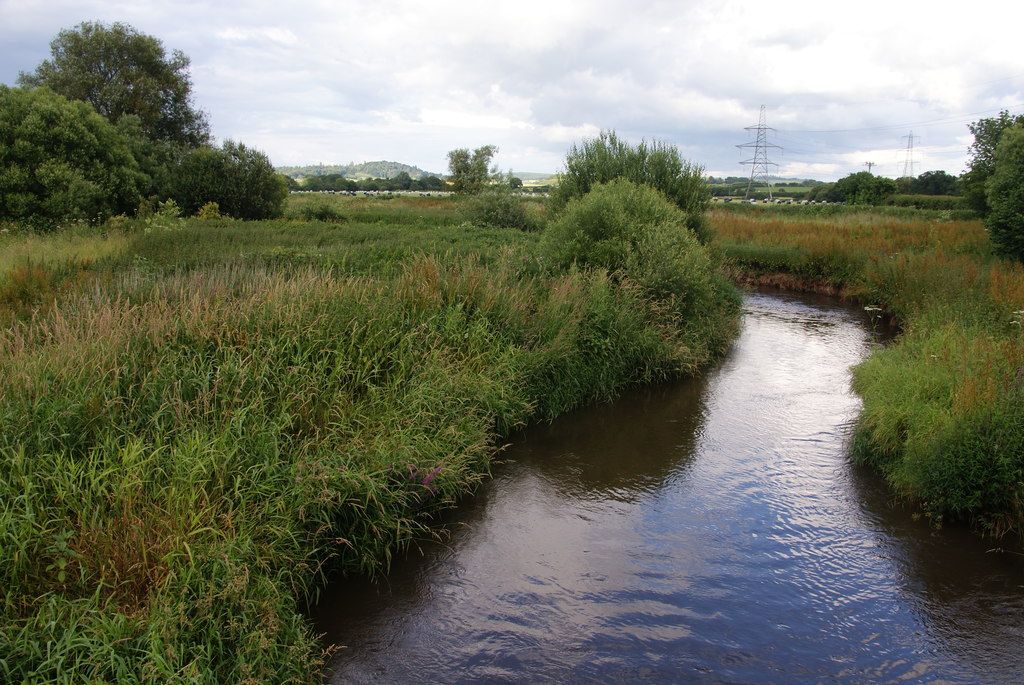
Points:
354	171
382	169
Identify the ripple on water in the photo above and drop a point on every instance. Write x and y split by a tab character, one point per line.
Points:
707	532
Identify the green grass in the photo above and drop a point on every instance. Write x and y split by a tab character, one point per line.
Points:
201	422
942	417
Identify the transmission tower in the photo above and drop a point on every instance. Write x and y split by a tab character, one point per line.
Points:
869	165
759	162
908	160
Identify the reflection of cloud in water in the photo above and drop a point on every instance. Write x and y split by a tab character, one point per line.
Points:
711	528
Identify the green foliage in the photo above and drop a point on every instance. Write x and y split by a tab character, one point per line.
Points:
239	179
862	188
470	172
658	165
321	211
633	231
501	207
121	72
209	212
1005	220
949	203
987	134
934	183
188	450
61	161
944	419
943	412
379	169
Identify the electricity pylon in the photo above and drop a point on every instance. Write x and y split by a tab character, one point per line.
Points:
759	162
908	160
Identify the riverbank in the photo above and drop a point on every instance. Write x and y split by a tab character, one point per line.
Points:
201	419
943	414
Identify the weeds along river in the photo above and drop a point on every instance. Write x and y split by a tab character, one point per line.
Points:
708	531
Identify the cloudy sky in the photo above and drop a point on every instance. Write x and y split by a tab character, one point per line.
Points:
337	81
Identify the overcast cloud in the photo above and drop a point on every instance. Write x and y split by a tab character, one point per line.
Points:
336	81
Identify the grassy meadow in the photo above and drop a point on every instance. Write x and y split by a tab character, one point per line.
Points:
943	414
201	419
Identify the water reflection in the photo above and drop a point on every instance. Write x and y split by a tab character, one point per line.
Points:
707	531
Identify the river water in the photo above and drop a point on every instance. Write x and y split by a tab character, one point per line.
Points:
706	531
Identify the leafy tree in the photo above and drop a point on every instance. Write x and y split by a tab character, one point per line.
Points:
60	160
239	179
470	172
862	188
658	165
400	181
632	230
428	183
935	183
120	71
1005	220
987	134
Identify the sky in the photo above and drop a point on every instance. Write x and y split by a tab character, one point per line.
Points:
339	81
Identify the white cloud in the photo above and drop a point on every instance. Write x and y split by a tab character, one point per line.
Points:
342	80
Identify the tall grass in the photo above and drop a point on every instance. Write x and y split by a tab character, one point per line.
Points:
224	412
943	415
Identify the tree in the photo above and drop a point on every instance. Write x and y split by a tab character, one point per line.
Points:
987	134
935	183
470	173
239	179
120	71
400	181
634	231
60	160
1005	220
658	165
862	188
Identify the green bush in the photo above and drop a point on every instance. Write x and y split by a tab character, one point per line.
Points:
239	179
500	207
656	164
61	161
934	202
634	231
321	211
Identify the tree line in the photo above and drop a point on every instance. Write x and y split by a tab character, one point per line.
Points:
107	126
339	183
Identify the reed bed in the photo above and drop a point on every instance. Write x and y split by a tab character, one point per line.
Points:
943	413
217	415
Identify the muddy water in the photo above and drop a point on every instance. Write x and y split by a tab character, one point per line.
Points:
710	531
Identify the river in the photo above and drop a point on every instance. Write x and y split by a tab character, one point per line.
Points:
710	530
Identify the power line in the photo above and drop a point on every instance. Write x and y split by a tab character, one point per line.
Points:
908	160
955	119
759	162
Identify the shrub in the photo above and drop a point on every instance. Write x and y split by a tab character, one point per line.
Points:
657	165
501	207
209	212
634	231
239	179
321	211
61	161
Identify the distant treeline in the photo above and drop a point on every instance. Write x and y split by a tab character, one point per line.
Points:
339	183
378	169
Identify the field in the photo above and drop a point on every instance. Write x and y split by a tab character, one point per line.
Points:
943	413
202	419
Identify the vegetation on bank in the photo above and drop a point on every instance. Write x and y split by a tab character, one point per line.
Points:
203	417
943	414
